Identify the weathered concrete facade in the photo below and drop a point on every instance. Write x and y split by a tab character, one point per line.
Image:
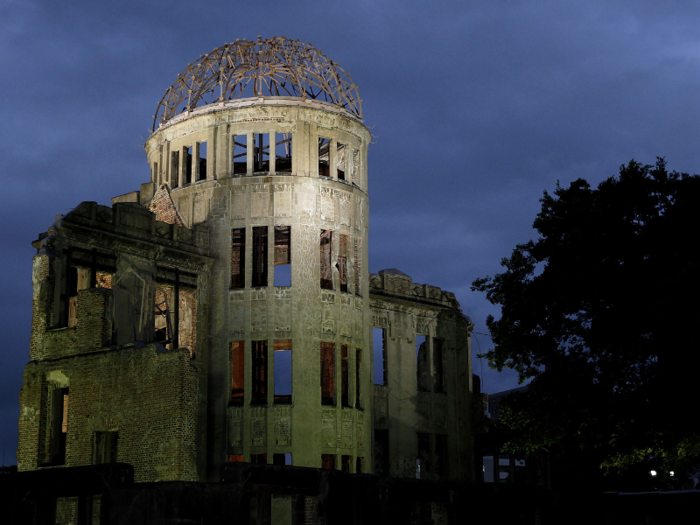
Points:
302	313
96	370
224	312
424	411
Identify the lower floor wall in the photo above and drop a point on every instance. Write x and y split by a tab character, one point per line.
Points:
257	494
136	405
264	494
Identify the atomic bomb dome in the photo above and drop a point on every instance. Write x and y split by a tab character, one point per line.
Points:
276	67
224	315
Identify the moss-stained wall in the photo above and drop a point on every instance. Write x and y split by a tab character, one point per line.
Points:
118	379
148	396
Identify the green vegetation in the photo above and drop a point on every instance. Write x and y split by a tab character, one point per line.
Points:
601	312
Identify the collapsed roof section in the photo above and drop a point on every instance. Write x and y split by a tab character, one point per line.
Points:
274	67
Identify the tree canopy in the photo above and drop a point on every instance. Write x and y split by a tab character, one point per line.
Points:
600	312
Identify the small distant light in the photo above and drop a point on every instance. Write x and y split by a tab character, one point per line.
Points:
652	472
671	473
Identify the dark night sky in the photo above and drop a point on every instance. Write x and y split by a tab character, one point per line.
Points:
476	108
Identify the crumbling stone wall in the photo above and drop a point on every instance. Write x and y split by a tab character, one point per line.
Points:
187	327
102	371
163	207
411	406
149	396
92	332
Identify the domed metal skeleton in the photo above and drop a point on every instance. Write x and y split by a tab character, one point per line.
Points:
274	67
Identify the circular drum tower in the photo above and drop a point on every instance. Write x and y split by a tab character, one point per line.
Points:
264	141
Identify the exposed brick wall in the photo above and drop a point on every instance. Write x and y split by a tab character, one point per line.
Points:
187	328
93	330
164	208
150	398
104	280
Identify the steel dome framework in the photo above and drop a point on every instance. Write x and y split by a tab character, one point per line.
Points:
274	67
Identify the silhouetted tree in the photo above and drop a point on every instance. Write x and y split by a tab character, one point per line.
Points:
602	313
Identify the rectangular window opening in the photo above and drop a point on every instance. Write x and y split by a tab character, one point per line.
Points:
357	264
76	280
438	366
64	412
259	362
379	356
260	459
72	286
237	372
105	447
283	371
238	258
201	161
239	154
326	259
283	152
358	367
328	461
260	256
344	375
187	164
283	256
261	152
324	165
340	160
187	329
283	275
282	459
422	363
346	463
58	426
235	458
381	452
327	373
162	318
175	169
359	465
83	279
342	264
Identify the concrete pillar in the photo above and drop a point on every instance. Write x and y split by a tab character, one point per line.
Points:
251	153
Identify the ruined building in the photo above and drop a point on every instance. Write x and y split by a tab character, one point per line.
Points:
225	313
